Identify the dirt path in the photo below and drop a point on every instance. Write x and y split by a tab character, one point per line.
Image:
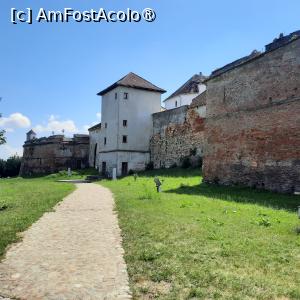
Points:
72	253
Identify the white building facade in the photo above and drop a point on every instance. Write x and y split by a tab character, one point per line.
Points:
94	133
187	92
126	125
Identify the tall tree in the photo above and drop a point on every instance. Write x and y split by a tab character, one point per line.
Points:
2	137
2	132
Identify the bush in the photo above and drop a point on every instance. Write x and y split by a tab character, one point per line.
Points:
174	165
10	167
2	167
200	162
150	166
193	151
130	172
216	180
185	163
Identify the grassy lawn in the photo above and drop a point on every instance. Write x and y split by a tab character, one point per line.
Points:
195	241
23	201
75	174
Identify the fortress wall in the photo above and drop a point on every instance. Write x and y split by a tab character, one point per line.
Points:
53	154
177	133
253	122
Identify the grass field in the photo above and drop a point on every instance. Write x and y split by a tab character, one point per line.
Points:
196	241
23	201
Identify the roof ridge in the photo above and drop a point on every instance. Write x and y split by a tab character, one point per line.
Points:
133	80
193	78
142	79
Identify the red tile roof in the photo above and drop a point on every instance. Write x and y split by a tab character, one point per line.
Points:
133	81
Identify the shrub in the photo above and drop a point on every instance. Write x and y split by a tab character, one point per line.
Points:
174	165
2	167
10	167
193	151
150	166
216	180
130	172
185	163
183	185
264	222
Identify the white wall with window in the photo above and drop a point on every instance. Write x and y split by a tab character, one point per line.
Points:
183	99
127	113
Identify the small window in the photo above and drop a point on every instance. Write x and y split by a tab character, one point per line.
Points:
124	123
176	104
124	140
116	96
105	141
105	125
126	96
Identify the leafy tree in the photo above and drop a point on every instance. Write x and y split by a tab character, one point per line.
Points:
2	132
2	167
2	137
10	167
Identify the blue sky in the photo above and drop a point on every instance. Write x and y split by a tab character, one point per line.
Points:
50	73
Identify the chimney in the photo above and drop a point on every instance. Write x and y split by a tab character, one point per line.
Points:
30	135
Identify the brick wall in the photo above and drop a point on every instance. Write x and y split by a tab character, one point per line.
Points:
253	122
177	133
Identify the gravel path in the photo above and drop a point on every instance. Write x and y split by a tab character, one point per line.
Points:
72	253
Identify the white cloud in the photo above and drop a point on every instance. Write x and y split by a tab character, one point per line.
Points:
86	127
6	151
56	125
15	120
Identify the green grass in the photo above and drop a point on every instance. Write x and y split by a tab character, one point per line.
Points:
75	174
23	201
198	241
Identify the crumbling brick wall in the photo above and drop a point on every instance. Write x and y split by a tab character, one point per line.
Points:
53	154
177	133
253	122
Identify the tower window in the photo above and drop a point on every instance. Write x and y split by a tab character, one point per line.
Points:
176	103
125	96
124	123
124	139
105	141
116	96
105	125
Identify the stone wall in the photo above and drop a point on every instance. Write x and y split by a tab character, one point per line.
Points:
55	153
253	121
94	134
177	133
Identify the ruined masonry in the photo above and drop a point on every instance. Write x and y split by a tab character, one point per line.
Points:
178	134
242	122
54	153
